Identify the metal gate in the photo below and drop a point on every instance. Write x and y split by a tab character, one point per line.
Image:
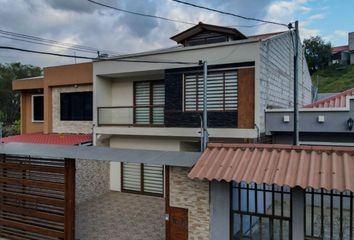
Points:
37	198
260	211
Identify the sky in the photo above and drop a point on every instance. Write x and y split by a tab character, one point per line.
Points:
85	23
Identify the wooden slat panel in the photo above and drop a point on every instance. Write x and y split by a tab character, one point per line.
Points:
31	198
31	167
245	113
32	213
31	183
32	228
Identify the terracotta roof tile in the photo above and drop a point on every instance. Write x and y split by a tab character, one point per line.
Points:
40	138
336	101
305	166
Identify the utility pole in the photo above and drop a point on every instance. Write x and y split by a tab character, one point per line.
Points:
205	135
296	87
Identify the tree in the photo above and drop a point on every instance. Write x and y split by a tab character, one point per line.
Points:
317	53
10	100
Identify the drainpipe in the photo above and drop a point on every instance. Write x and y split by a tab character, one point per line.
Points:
205	135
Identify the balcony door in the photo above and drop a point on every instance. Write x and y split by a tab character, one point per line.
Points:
149	101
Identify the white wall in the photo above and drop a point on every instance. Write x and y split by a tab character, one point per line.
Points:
277	75
146	143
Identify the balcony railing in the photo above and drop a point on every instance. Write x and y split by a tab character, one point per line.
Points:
144	115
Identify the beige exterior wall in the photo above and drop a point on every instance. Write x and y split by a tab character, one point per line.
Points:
194	196
68	126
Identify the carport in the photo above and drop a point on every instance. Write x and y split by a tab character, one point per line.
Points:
38	194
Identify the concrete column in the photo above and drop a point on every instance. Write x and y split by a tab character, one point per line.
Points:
220	211
298	213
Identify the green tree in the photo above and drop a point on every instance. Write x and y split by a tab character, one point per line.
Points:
317	53
10	100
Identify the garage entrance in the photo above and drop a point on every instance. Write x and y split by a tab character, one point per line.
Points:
37	198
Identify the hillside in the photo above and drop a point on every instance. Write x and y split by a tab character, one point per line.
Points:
334	79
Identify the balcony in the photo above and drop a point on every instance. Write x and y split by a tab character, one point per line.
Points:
144	115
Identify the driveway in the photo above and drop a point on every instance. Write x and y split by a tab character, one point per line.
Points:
121	216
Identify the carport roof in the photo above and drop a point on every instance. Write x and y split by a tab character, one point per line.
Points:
168	158
304	166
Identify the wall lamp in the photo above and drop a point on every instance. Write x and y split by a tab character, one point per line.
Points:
350	124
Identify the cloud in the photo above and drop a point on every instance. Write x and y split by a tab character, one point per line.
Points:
317	16
337	36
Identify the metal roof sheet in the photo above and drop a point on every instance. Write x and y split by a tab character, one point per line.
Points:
169	158
53	138
305	166
336	101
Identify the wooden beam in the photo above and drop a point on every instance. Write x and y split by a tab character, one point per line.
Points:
31	167
31	183
69	212
32	198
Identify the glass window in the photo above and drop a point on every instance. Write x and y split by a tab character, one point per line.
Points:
37	108
222	91
76	106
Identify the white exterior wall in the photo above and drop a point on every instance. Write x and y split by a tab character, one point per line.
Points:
149	143
277	75
68	126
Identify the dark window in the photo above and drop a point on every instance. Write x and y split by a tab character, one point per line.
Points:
76	106
37	108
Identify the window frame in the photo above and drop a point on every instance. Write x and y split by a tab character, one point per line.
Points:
197	73
32	108
74	120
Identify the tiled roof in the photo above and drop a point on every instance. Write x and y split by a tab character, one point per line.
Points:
40	138
305	166
336	101
339	49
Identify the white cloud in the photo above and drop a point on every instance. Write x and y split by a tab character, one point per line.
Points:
337	36
317	16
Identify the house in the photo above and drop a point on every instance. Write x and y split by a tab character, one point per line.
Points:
56	108
153	101
328	121
344	54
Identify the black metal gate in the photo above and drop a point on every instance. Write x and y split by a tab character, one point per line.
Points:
260	212
329	215
37	198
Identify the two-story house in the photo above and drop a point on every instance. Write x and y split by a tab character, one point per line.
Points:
153	100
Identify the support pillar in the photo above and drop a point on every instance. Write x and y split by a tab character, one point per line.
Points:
298	213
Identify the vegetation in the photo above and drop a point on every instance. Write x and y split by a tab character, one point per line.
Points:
317	53
335	78
10	100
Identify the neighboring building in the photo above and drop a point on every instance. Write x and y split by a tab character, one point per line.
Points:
58	102
56	108
328	121
351	47
340	55
153	101
344	54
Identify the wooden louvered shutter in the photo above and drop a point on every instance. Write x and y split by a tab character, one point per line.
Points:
222	91
158	102
132	177
153	179
142	102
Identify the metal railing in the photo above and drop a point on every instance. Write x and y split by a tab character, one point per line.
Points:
140	115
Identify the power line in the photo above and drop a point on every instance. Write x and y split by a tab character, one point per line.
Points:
141	14
44	53
90	58
53	42
230	14
159	17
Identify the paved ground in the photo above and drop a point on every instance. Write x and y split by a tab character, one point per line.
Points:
121	216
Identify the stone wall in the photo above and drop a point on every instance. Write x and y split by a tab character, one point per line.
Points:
194	196
69	126
92	179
